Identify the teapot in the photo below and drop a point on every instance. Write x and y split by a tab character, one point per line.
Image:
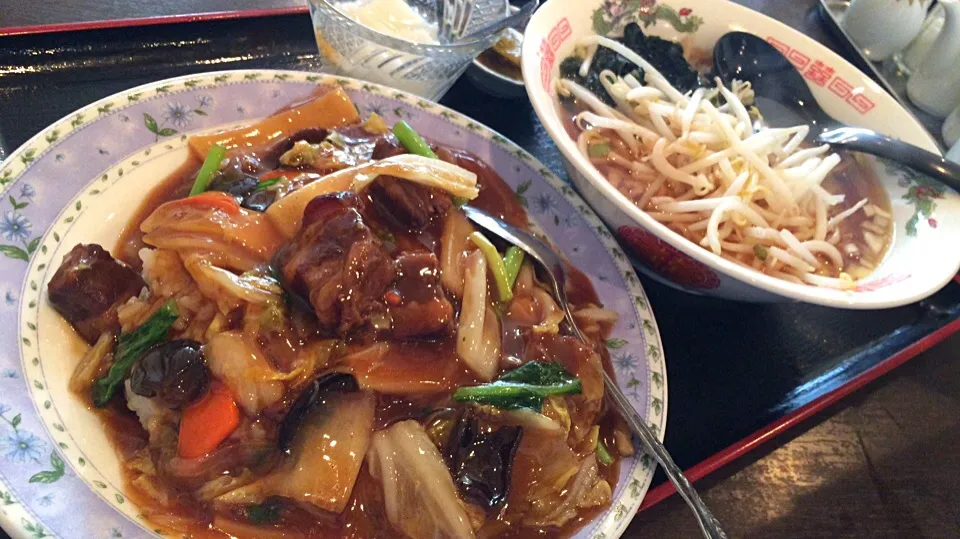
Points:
935	86
883	27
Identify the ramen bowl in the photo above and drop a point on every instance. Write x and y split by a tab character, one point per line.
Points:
920	259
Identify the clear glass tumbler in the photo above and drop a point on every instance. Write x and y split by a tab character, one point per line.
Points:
428	70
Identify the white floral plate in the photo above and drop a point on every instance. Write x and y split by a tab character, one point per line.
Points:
79	180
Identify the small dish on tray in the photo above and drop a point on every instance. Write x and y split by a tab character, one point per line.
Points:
65	477
923	213
497	69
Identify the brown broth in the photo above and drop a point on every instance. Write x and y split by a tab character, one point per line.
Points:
364	516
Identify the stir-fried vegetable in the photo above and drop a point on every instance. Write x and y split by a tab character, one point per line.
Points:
480	457
475	345
212	199
603	456
325	455
513	261
267	512
208	422
329	111
495	263
453	249
173	372
523	388
414	143
412	140
287	213
209	167
94	362
130	346
242	366
419	495
212	224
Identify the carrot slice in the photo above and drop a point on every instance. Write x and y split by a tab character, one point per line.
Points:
213	199
208	422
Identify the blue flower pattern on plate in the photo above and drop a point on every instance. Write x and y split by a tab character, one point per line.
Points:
544	203
624	361
21	446
27	192
14	226
178	115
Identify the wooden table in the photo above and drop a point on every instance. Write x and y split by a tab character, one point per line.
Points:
883	463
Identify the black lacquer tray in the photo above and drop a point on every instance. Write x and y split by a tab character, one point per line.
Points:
738	373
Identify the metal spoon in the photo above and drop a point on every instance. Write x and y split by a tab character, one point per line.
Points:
784	99
556	276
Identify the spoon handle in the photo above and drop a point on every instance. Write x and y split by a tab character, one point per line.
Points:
709	525
873	143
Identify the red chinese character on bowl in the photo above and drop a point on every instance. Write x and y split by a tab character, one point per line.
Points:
818	73
667	260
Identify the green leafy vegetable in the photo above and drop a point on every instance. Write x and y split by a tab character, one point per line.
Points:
267	512
603	456
411	140
523	388
209	167
130	346
513	260
495	262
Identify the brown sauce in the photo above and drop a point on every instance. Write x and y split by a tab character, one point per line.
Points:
432	361
500	65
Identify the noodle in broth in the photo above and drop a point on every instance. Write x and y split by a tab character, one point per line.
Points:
694	160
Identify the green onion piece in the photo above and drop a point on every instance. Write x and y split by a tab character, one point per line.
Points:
412	140
600	149
760	251
603	456
496	265
130	346
513	259
459	202
263	186
209	167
